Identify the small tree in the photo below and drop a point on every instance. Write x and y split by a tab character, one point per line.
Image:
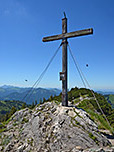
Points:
51	98
33	105
44	100
23	106
6	117
35	102
40	102
13	110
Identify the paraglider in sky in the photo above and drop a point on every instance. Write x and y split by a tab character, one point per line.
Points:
86	65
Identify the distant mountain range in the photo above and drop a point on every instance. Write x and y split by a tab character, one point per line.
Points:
18	93
105	92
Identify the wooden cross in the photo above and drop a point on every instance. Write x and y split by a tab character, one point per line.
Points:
64	36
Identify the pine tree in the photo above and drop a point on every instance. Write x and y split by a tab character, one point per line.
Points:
40	102
23	106
35	102
44	100
51	98
13	110
33	105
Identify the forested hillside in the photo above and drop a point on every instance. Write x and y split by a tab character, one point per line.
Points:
7	106
110	99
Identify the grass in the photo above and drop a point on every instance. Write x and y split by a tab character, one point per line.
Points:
24	120
6	122
111	98
57	102
30	141
75	123
2	130
3	102
77	114
99	118
96	117
5	141
93	137
15	124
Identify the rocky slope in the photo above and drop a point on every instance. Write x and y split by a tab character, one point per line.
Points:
50	127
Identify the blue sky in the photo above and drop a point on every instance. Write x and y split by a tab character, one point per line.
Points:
23	55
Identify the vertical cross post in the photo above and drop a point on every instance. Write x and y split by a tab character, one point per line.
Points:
64	64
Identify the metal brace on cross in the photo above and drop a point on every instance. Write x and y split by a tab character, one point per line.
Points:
64	36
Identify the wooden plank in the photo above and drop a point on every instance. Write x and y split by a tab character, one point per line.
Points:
68	35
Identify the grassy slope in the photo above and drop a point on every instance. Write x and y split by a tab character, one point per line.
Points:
111	99
91	106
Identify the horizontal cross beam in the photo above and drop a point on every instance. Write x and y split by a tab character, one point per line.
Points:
68	35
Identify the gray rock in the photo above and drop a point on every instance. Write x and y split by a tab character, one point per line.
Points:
21	148
54	128
100	150
1	148
8	147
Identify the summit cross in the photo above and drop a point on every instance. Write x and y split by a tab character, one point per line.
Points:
64	36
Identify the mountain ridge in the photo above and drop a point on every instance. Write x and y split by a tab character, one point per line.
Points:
18	93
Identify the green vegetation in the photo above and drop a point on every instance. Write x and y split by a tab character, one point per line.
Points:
24	120
30	141
10	107
8	115
110	99
92	108
57	98
97	116
93	137
23	106
74	93
6	106
32	105
2	130
89	105
6	118
5	141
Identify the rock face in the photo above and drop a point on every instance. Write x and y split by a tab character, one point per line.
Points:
51	128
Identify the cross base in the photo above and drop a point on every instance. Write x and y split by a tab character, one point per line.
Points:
65	99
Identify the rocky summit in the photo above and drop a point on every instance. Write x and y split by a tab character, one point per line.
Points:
50	127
